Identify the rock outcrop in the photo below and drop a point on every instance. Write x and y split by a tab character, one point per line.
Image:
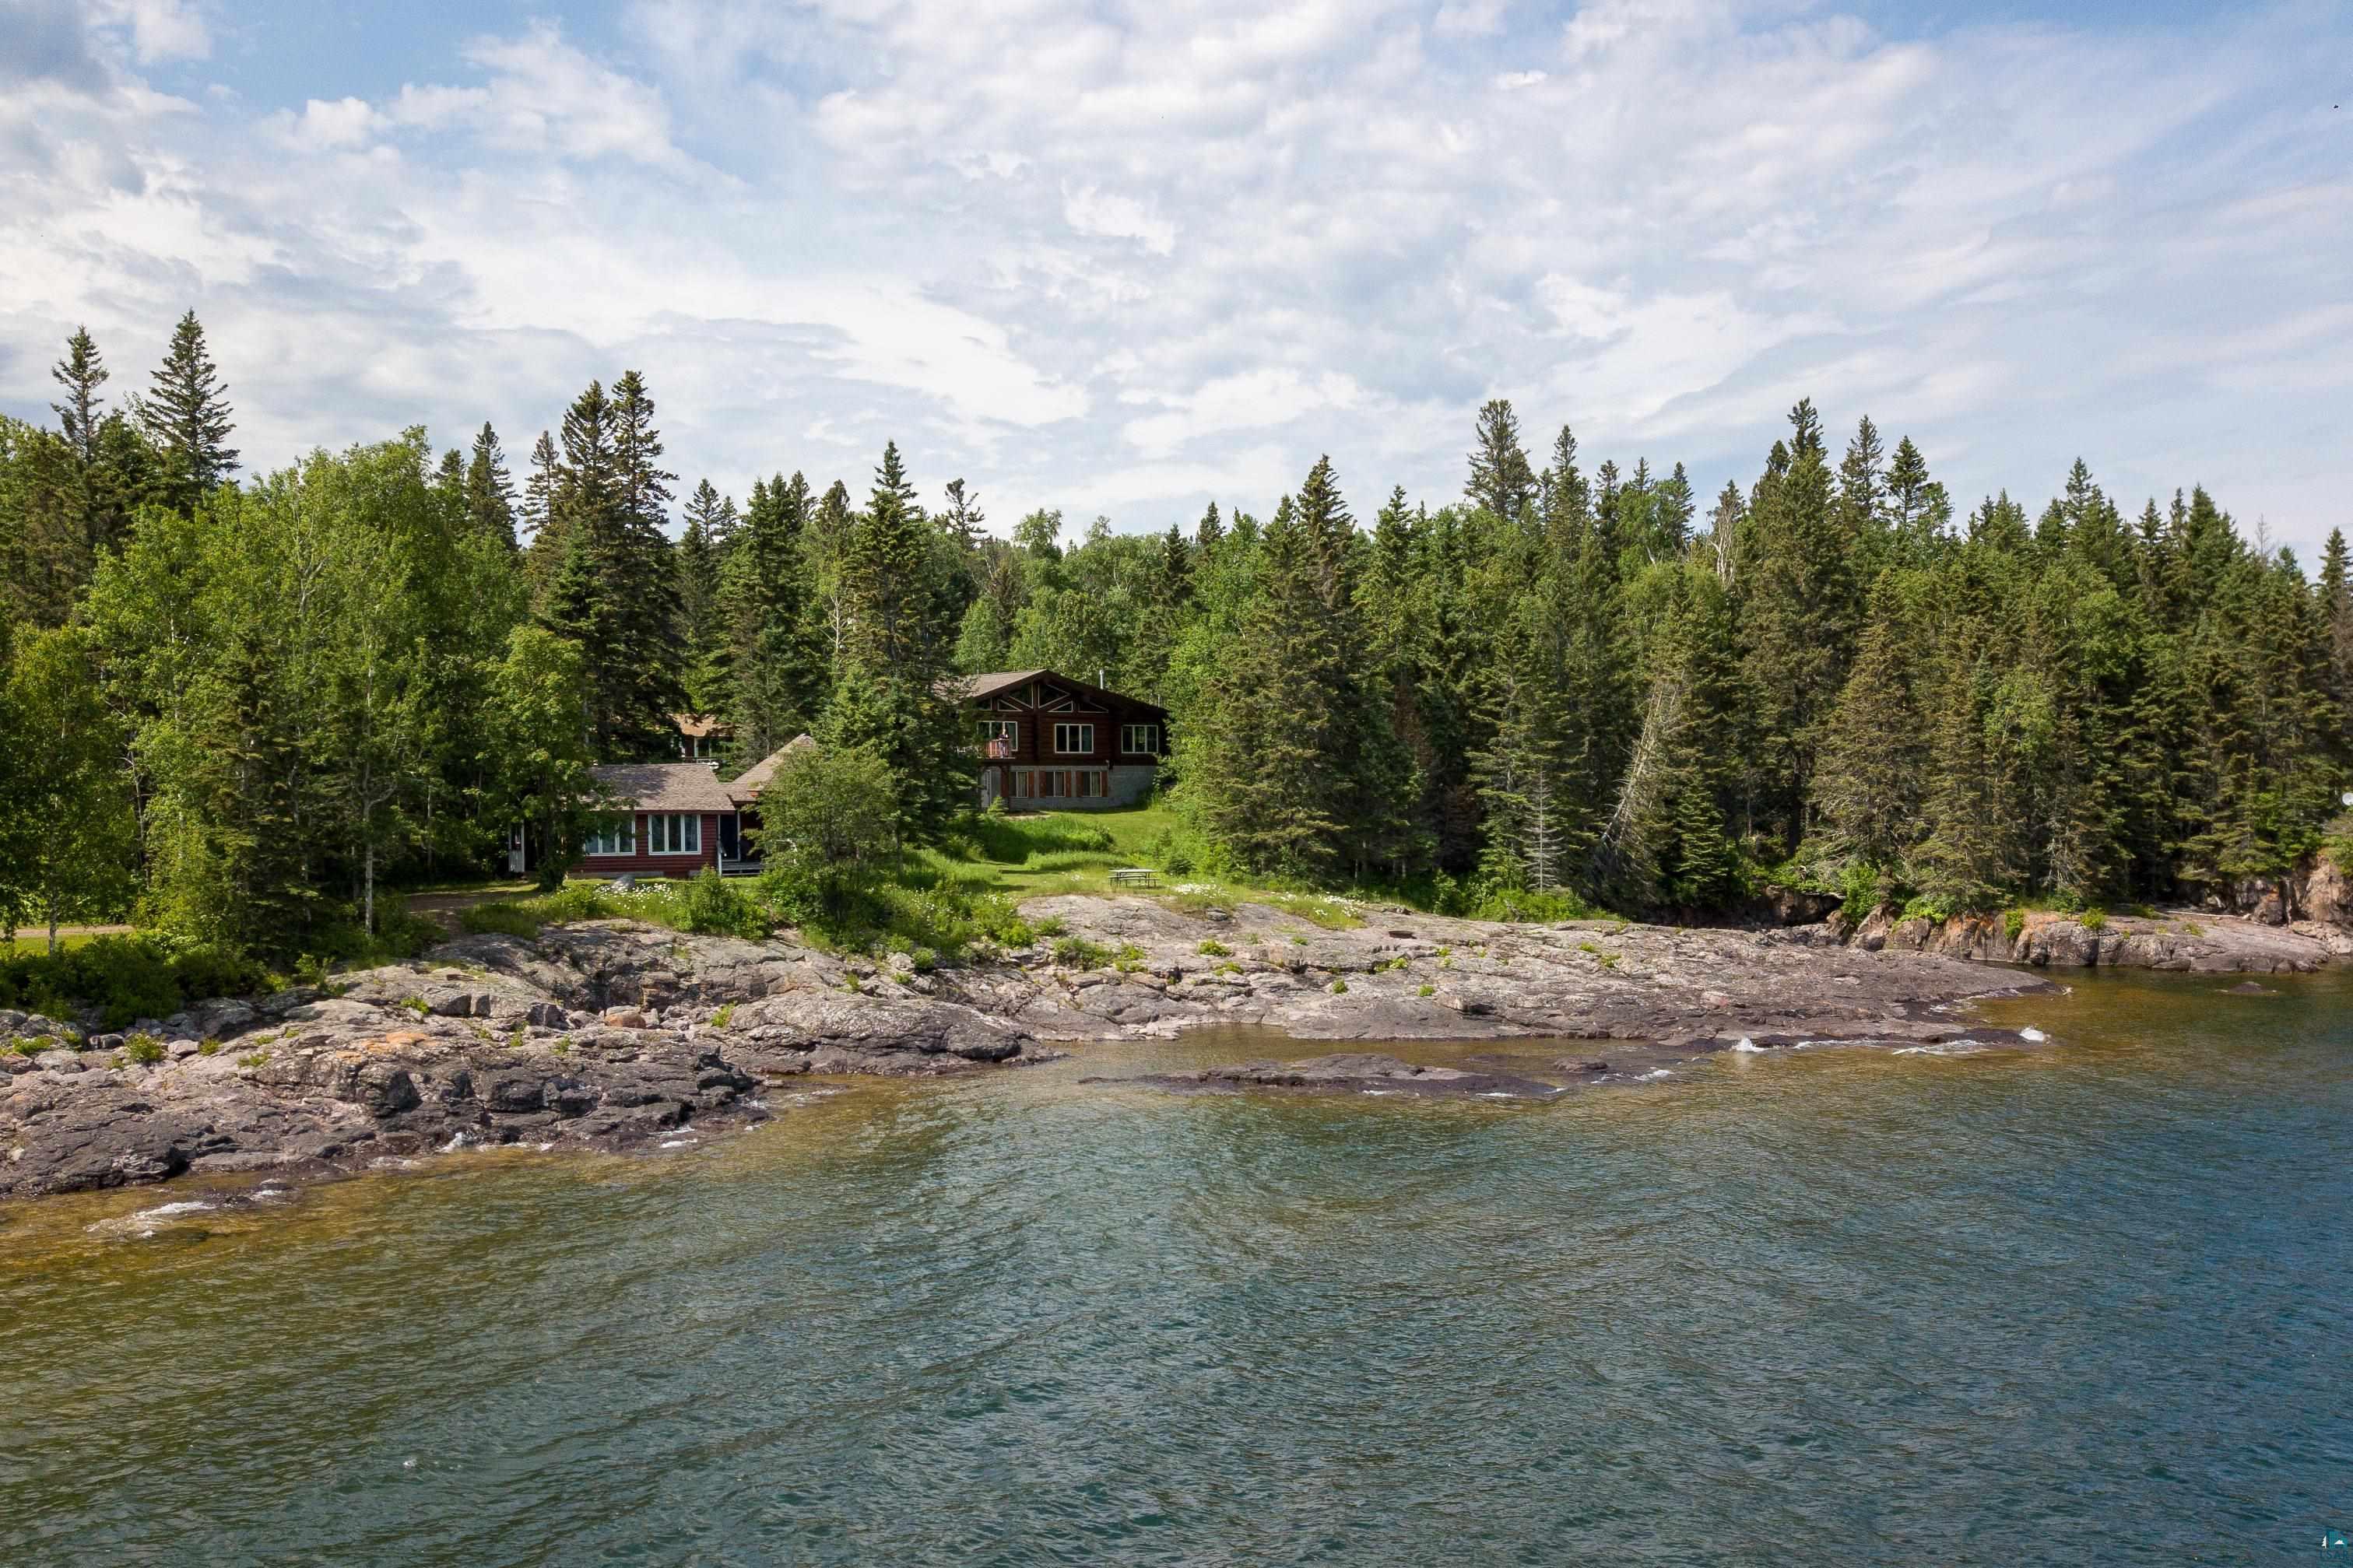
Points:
610	1034
2187	940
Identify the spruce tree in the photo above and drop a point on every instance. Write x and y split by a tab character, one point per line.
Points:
81	372
186	416
489	490
1867	788
894	689
1501	479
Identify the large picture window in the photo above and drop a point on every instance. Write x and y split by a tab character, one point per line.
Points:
674	833
1074	740
621	838
1136	740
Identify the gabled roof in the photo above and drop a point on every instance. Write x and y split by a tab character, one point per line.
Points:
665	786
695	726
980	687
972	687
747	786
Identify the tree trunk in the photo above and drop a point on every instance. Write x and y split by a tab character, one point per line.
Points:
367	898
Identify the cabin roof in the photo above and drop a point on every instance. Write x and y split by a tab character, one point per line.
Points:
747	786
980	687
665	786
695	726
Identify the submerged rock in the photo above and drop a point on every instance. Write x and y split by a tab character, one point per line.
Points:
1354	1072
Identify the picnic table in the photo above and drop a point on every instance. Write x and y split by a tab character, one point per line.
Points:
1136	877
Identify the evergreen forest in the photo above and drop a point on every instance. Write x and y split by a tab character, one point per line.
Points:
236	705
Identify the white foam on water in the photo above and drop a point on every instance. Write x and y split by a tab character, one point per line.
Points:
1497	1094
1651	1077
544	1148
1746	1044
679	1143
1961	1048
166	1211
2032	1034
271	1196
457	1141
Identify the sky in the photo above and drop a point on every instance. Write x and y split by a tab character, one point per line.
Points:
1124	257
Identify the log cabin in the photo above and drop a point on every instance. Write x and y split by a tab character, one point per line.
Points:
1044	741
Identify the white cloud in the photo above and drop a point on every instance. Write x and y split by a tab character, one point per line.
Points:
1114	216
1468	19
1254	400
345	122
160	29
1661	220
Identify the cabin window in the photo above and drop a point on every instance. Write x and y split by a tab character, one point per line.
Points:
1086	785
1137	739
1074	740
1000	737
674	833
619	840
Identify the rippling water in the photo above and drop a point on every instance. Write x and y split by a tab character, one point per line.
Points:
2084	1304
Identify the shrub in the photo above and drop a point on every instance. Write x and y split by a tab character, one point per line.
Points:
127	977
2094	920
2013	922
722	1018
1052	926
1213	949
416	1005
1339	986
713	906
209	1046
1425	990
1077	953
923	959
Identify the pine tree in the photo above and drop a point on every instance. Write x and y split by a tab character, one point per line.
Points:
187	416
81	372
1801	615
1867	789
894	679
489	490
963	521
1501	478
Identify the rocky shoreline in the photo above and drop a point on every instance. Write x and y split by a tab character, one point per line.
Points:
612	1034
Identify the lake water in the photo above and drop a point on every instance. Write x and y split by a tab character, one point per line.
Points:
2084	1304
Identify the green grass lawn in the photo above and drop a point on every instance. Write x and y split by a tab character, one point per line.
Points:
1035	854
39	941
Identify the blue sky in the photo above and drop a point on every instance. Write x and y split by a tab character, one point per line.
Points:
1123	257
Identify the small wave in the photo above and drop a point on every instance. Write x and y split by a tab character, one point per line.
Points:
166	1211
457	1141
1746	1044
1961	1048
677	1143
271	1196
1659	1073
2032	1035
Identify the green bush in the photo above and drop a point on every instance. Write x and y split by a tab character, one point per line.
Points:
1214	948
1077	953
1425	990
2013	922
127	977
712	906
143	1048
1339	988
2094	920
